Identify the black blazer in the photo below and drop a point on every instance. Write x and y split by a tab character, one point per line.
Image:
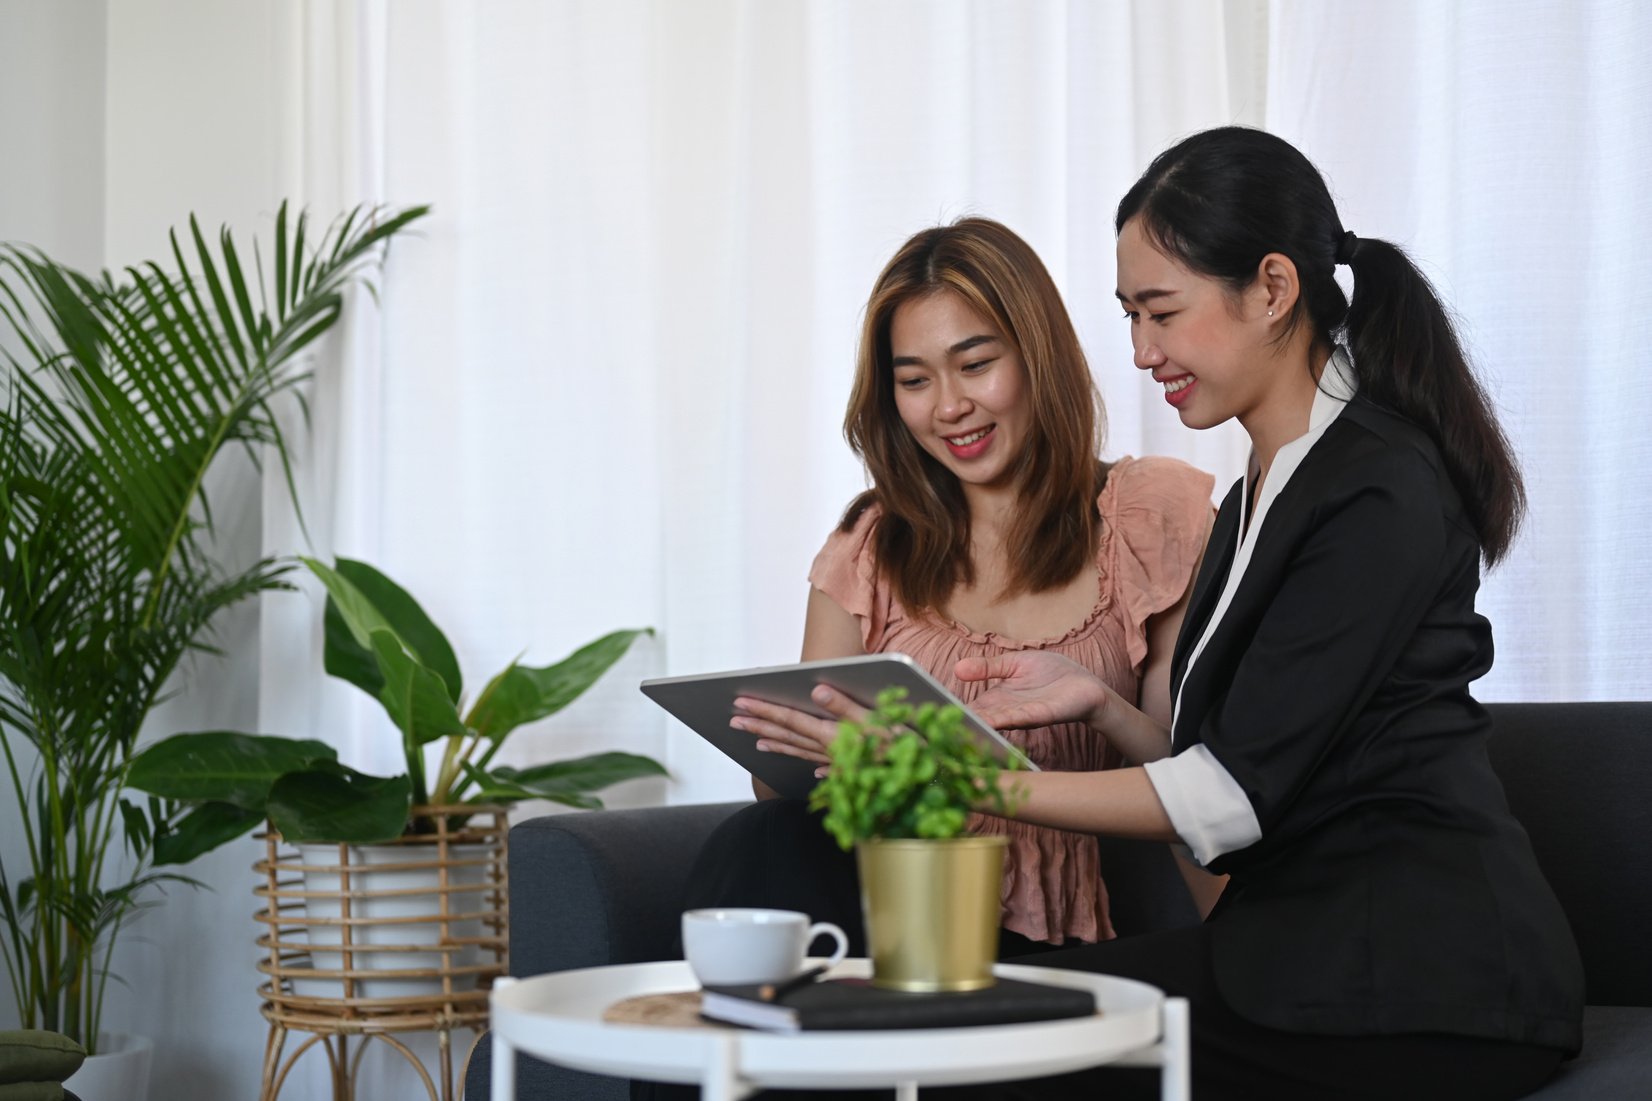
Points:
1391	890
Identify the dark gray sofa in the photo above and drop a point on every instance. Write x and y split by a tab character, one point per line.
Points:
589	889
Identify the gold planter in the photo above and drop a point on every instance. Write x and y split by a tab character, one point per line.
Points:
931	911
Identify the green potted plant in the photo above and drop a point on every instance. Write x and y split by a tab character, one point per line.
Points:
901	786
380	639
117	395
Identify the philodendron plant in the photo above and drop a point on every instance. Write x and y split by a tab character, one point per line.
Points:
379	639
909	772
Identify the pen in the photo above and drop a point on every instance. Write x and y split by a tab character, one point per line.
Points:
773	992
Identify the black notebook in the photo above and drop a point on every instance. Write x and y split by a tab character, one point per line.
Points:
857	1004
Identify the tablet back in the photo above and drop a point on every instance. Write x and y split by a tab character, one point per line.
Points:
705	703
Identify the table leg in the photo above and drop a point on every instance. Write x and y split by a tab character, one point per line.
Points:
504	1069
721	1081
504	1057
1176	1077
906	1091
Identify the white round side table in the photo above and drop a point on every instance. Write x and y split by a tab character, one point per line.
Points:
559	1018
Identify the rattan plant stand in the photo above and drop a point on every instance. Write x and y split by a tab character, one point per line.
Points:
364	943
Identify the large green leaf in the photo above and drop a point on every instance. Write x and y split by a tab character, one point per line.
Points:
415	696
352	660
336	803
492	788
523	695
343	657
568	782
222	766
203	829
358	614
577	774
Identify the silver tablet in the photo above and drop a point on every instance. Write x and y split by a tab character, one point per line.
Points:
705	702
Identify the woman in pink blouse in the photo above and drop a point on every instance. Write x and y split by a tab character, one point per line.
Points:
991	527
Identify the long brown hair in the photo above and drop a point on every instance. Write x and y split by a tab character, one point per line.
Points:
922	538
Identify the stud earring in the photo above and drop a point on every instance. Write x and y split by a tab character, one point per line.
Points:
1270	313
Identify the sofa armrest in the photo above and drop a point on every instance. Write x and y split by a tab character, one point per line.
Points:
1577	777
603	887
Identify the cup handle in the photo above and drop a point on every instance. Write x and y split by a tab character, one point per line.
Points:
826	928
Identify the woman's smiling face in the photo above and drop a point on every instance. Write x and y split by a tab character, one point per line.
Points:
960	387
1200	343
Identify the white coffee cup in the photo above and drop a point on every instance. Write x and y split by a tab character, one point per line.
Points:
743	947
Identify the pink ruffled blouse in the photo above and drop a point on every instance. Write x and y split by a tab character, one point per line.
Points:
1155	517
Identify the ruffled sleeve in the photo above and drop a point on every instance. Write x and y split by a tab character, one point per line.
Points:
1159	514
846	570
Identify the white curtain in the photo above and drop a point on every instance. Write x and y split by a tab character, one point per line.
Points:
1508	144
606	381
606	384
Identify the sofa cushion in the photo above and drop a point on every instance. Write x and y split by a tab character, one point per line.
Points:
601	888
32	1091
1578	777
36	1055
1616	1060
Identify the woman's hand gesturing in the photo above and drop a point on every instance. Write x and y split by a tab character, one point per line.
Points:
1038	688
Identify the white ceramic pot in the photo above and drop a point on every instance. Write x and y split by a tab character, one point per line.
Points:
408	945
119	1072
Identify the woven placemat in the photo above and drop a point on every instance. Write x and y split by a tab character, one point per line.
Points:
677	1010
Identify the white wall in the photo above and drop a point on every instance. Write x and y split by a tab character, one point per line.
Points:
51	192
52	89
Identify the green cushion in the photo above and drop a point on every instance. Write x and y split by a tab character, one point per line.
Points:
33	1056
31	1091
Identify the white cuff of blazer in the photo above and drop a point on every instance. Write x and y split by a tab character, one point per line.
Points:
1205	803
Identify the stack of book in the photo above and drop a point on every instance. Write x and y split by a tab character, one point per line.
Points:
857	1004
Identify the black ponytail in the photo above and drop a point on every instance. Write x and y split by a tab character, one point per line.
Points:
1221	200
1397	325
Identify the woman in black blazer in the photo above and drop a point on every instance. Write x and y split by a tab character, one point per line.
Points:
1386	931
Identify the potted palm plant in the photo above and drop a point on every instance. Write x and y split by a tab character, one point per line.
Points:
902	783
119	393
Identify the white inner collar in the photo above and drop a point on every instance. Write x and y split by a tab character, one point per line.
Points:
1334	391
